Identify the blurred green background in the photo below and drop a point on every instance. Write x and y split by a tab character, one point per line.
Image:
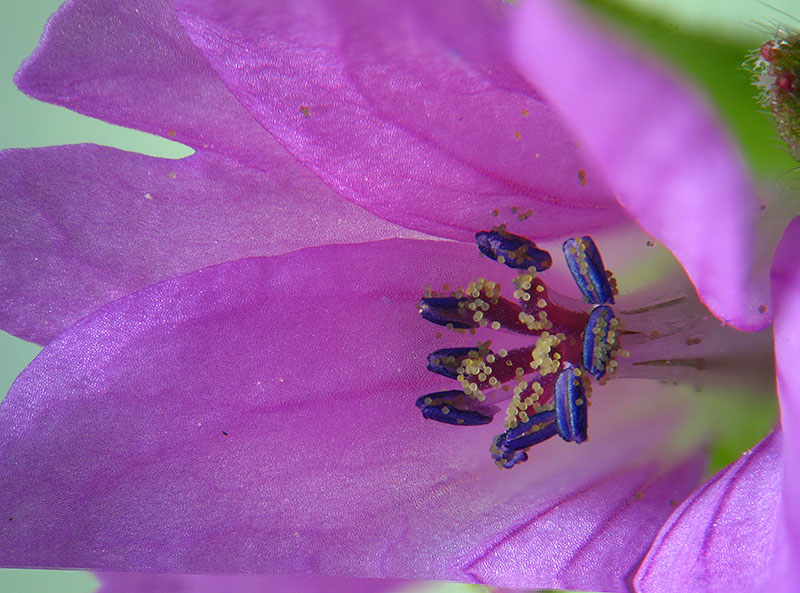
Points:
709	40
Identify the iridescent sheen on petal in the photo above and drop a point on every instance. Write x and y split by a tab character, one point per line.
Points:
399	110
271	433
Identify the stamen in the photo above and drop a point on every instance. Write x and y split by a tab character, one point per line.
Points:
539	432
586	266
446	311
600	342
570	400
545	382
506	459
508	448
448	362
453	407
512	250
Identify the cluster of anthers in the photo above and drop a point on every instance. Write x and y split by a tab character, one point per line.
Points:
548	381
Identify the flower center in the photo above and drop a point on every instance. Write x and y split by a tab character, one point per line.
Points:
547	381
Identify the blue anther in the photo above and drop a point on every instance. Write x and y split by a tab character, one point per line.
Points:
508	448
441	407
531	438
447	360
445	311
597	347
506	458
516	252
586	266
512	458
570	399
523	427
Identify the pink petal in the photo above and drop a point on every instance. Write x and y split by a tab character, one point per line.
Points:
740	532
786	290
723	537
258	416
673	167
130	63
411	109
121	582
84	225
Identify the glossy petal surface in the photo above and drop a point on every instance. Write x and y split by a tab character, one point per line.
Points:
121	582
723	537
259	416
83	225
399	110
659	147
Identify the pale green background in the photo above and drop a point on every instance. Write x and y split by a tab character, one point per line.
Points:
683	31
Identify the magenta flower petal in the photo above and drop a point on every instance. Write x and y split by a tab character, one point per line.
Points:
258	416
659	146
741	531
723	537
398	108
786	288
84	225
786	291
130	63
121	582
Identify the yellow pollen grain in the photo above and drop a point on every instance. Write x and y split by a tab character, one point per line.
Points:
495	325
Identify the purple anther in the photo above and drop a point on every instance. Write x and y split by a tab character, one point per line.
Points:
586	266
512	250
452	407
570	401
598	343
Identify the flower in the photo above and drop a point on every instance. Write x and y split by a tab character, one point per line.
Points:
257	414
